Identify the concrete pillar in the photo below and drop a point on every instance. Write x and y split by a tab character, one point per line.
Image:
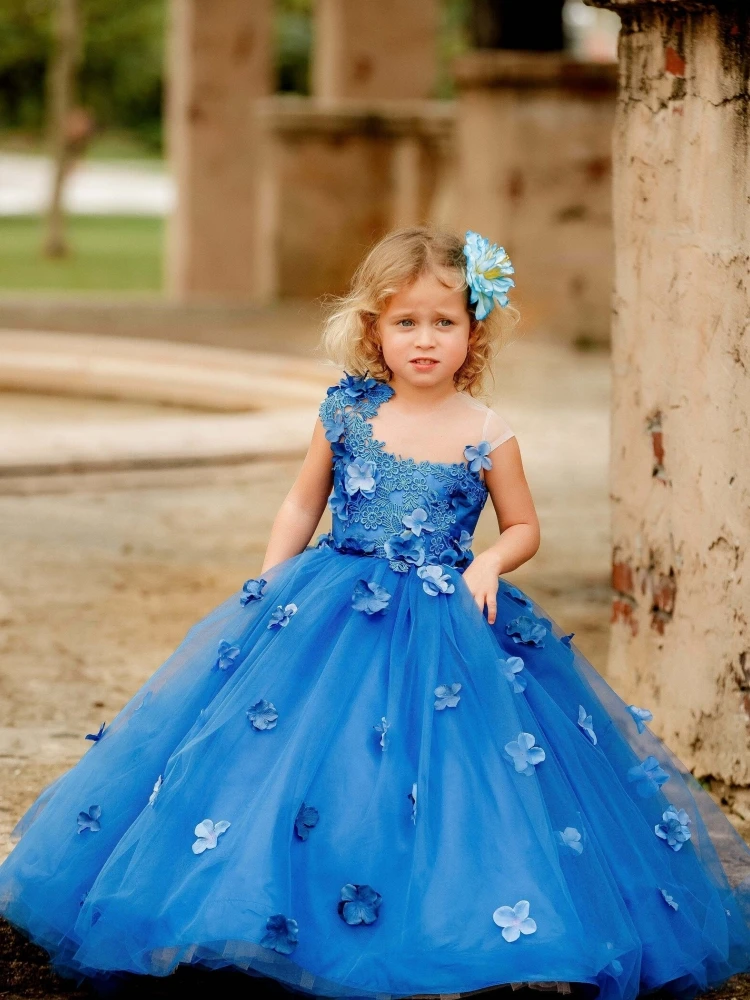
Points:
219	62
371	49
680	475
533	149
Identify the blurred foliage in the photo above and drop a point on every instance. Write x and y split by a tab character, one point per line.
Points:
121	77
293	42
452	42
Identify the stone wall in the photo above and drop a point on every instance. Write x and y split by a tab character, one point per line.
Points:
337	177
534	136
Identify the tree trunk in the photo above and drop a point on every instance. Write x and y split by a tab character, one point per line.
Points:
515	24
60	96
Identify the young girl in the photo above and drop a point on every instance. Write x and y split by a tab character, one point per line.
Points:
378	770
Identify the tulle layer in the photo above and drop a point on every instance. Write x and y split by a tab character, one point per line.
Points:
447	826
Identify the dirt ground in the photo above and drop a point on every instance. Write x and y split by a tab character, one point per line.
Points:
102	575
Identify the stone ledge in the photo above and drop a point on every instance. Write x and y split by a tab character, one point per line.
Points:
335	118
156	371
687	5
489	68
277	397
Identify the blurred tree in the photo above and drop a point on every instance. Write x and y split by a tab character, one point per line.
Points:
121	75
61	82
511	24
293	36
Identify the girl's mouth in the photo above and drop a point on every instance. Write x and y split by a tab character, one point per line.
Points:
423	364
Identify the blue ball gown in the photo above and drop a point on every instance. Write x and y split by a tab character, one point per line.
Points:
347	780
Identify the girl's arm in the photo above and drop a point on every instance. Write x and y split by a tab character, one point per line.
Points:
518	524
303	506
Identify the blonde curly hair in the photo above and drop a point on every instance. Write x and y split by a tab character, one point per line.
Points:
350	339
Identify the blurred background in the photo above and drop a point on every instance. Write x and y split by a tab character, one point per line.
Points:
181	185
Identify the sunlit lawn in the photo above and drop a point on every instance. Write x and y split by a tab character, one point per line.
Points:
108	253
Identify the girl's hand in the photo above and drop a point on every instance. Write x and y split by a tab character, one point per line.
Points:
481	576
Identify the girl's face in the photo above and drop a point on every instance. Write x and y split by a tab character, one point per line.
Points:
425	331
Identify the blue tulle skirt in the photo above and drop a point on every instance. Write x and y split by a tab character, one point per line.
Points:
361	800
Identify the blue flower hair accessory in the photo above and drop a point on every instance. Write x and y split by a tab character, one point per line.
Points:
487	270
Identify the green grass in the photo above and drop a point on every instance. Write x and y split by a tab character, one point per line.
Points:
108	254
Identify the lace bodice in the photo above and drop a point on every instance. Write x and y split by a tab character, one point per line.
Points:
406	511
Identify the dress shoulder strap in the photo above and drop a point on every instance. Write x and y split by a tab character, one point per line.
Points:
496	430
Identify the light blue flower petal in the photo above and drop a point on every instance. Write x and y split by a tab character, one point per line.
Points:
586	723
640	716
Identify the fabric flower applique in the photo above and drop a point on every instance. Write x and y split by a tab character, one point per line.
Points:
524	754
518	596
281	615
262	714
356	547
412	796
155	790
361	476
382	728
435	581
418	521
89	820
281	934
460	500
515	920
359	904
356	386
458	551
324	540
307	817
570	837
370	597
226	655
674	828
338	501
511	669
669	900
252	590
404	550
478	456
528	630
649	776
640	716
447	696
488	270
334	427
615	964
586	723
208	834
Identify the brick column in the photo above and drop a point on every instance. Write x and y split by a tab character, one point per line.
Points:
680	473
219	62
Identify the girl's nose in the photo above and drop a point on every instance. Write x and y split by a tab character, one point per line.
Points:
424	335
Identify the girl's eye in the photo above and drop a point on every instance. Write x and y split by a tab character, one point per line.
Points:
447	322
402	321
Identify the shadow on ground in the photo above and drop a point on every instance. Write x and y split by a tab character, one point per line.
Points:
26	975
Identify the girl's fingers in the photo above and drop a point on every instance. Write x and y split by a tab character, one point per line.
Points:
491	609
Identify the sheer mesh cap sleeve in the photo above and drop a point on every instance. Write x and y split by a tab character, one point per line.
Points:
496	430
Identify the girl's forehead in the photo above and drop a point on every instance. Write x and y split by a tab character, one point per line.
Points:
431	289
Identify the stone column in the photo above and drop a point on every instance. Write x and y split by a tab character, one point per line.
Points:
680	474
370	49
533	148
219	62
